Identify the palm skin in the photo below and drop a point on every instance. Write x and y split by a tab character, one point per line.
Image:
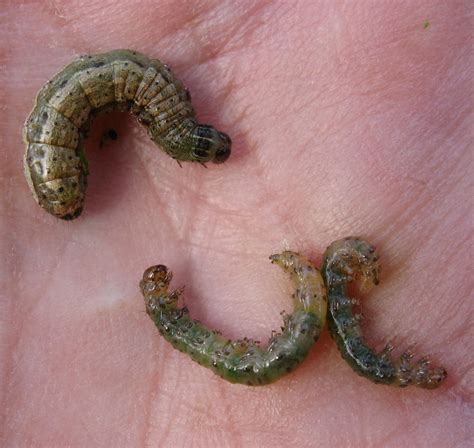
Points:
345	119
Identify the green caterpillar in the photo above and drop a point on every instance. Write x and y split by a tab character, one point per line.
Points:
344	261
243	361
246	362
55	164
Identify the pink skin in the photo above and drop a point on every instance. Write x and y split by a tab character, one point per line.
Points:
346	119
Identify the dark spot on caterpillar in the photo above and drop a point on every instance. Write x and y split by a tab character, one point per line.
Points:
200	153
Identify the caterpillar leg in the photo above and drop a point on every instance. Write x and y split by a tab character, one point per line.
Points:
242	361
344	261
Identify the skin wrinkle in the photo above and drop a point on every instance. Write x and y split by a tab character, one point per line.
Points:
243	33
208	53
433	187
461	391
394	68
180	234
231	29
227	416
398	431
165	359
148	438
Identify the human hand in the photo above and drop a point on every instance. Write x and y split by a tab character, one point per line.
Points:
345	119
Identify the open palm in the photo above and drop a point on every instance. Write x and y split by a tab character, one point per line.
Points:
345	119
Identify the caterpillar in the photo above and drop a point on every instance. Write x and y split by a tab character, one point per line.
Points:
55	164
242	361
344	261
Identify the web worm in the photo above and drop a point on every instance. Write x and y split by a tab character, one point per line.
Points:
242	361
55	163
344	261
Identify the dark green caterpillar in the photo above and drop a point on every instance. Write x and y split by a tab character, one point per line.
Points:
55	164
345	261
243	361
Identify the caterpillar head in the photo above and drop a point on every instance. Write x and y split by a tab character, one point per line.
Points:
210	145
156	279
351	258
154	287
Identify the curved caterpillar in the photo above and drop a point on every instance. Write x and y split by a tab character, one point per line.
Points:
344	261
125	80
242	361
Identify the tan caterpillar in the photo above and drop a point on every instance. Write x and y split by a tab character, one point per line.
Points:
55	164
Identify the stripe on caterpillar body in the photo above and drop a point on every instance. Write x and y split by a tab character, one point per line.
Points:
343	261
243	361
55	165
